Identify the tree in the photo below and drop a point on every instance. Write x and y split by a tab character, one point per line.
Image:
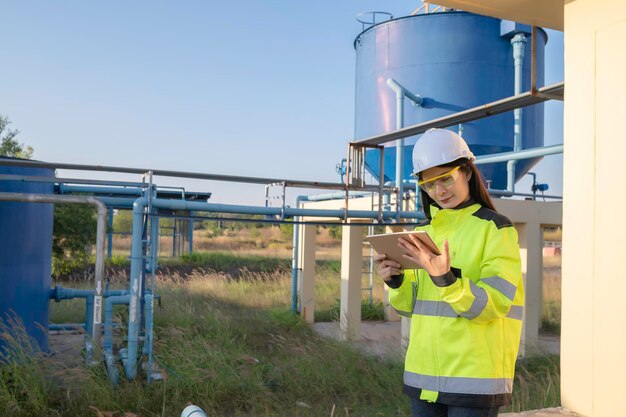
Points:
74	224
73	237
9	146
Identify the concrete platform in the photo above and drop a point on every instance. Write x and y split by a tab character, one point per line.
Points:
546	412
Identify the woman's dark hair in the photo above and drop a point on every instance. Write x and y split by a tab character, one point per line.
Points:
477	189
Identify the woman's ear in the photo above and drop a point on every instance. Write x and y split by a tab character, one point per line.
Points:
468	174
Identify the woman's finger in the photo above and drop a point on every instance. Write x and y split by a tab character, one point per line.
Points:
379	257
404	244
389	262
389	271
419	262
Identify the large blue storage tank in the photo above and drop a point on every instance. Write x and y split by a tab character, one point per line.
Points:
26	254
455	61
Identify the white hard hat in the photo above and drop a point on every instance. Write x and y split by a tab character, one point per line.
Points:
437	147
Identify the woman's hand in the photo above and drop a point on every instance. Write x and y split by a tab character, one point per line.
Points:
386	267
416	251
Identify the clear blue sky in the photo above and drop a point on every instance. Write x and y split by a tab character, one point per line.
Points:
256	88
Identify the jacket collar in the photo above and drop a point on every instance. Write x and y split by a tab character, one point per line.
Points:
460	209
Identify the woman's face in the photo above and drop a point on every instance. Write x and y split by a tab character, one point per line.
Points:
449	187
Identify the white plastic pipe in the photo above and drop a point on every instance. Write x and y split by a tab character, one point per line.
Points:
518	43
401	93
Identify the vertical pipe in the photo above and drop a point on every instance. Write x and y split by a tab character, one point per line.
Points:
348	182
191	213
110	235
136	266
401	93
381	183
154	244
533	60
518	42
173	238
89	314
99	273
147	346
399	149
370	230
295	260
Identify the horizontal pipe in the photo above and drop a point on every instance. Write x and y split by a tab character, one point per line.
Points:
516	155
66	326
59	293
34	178
69	189
334	196
118	202
500	106
505	193
275	211
181	174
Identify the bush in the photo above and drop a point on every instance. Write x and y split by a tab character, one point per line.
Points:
74	233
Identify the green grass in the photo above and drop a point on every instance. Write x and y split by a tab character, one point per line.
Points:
551	317
233	348
537	384
373	311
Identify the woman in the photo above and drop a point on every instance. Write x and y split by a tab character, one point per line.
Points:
466	304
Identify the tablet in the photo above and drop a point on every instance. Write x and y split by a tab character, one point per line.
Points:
388	244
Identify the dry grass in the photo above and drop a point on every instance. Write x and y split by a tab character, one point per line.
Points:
551	315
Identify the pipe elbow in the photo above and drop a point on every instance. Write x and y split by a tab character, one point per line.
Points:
393	84
140	204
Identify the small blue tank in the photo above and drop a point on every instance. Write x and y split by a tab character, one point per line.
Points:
455	61
26	254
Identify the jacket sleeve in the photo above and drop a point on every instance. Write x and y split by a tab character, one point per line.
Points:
499	285
402	297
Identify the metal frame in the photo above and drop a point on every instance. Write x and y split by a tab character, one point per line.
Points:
551	92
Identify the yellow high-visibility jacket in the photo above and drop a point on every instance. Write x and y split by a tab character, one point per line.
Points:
466	325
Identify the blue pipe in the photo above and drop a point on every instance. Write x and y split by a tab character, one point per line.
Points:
109	360
110	235
137	258
59	293
118	202
89	300
191	213
66	326
274	211
107	347
67	189
147	346
136	267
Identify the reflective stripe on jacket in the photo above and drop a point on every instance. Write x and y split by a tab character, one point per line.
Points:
466	326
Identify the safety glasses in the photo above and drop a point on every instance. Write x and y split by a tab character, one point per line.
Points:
447	179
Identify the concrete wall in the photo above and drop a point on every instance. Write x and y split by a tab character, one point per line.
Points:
593	329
